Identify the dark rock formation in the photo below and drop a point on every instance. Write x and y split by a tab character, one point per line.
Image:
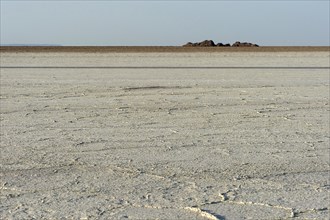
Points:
210	43
244	44
205	43
223	45
189	44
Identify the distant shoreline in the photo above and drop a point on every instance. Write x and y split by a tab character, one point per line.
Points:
157	49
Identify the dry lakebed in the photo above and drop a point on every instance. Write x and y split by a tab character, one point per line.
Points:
164	135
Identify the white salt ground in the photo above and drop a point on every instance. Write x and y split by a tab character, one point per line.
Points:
165	143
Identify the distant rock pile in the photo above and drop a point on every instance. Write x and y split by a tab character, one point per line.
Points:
244	44
210	43
205	43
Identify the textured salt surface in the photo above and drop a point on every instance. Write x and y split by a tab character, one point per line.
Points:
170	144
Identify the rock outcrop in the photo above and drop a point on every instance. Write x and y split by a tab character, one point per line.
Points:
222	45
205	43
210	43
244	44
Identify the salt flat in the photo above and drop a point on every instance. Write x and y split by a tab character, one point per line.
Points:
164	143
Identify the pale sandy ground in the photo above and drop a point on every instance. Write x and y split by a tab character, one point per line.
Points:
165	143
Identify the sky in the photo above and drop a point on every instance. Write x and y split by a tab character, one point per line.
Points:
165	23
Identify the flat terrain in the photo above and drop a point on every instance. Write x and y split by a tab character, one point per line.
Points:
155	49
147	143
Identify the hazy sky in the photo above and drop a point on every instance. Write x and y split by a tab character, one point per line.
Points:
164	22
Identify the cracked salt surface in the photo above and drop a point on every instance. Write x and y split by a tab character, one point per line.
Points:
167	144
